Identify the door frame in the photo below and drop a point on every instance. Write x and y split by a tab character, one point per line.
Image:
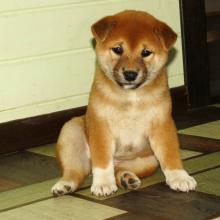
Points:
195	52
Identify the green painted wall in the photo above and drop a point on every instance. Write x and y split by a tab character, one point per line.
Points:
46	60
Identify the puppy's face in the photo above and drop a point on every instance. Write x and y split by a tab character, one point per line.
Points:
132	47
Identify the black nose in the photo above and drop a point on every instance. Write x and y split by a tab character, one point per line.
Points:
130	75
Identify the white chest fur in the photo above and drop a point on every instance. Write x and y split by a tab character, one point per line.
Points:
129	117
130	132
129	126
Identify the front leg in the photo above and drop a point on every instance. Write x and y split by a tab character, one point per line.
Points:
164	143
102	150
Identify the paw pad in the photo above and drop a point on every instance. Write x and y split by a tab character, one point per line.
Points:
130	181
63	187
68	188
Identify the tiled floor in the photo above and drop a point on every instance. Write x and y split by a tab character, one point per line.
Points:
26	178
209	130
67	207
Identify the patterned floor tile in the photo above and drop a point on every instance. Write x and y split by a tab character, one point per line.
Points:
159	202
27	194
209	182
192	166
188	153
48	150
216	105
8	184
25	168
31	193
65	207
218	218
209	130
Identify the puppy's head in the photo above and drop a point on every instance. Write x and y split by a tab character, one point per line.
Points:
132	47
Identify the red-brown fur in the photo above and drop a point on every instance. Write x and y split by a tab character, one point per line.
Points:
129	124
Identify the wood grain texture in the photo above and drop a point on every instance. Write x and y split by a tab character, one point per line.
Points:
21	196
35	131
196	66
158	202
192	165
26	168
185	118
209	182
200	144
213	32
69	208
209	130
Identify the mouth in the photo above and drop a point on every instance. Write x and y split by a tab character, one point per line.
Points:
128	85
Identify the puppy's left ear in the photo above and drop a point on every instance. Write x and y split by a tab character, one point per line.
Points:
103	27
167	35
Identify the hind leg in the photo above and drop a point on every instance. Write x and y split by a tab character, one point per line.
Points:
128	172
73	156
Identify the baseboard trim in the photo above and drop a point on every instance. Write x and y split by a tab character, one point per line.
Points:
44	129
30	132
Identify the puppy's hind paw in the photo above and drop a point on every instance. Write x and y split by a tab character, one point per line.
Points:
130	181
180	180
63	187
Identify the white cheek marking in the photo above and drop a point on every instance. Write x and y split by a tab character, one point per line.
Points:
107	64
104	183
180	180
156	64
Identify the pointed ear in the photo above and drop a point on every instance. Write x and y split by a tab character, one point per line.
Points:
166	34
103	27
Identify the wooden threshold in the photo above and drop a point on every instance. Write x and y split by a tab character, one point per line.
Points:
201	144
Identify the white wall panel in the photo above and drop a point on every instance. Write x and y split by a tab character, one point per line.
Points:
46	60
37	32
45	79
18	5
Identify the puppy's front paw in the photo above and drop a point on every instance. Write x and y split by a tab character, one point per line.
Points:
103	189
63	187
180	180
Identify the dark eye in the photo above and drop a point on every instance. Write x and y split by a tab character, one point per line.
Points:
117	50
145	53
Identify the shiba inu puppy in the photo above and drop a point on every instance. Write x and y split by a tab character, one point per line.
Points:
128	129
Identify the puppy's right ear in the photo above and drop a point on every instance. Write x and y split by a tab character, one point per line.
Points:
103	27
